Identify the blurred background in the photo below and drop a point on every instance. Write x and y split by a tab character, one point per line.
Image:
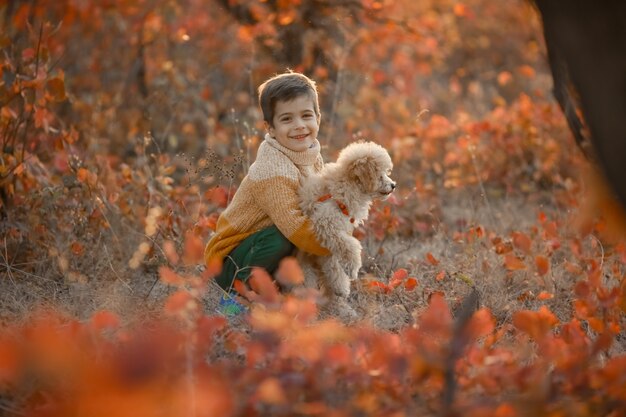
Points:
126	126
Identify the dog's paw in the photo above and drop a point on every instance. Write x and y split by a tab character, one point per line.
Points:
339	308
352	268
342	288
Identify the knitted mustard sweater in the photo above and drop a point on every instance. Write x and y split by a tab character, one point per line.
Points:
269	195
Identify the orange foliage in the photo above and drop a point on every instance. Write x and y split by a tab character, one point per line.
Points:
125	127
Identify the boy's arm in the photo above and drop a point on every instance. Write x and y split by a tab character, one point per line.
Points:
278	197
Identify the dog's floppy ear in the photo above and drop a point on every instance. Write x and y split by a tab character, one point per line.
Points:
363	171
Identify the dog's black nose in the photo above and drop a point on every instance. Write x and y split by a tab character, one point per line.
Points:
393	185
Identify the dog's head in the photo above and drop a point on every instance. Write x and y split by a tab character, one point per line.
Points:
369	166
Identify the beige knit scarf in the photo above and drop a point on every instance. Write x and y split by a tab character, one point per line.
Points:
302	158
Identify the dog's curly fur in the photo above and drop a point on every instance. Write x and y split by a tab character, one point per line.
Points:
337	200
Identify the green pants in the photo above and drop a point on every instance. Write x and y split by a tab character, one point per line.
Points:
265	248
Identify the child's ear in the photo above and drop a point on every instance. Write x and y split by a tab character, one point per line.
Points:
269	129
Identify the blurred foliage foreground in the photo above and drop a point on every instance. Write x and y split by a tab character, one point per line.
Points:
125	127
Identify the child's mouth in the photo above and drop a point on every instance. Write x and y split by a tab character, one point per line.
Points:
300	137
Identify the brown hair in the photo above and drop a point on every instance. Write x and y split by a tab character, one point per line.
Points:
285	87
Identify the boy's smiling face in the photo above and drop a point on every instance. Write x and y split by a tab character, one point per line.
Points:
295	123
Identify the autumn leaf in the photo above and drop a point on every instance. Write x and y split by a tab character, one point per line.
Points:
193	250
572	268
410	284
543	264
10	361
261	282
104	320
503	247
397	277
77	248
56	87
289	272
217	196
505	410
179	302
537	324
481	324
522	242
242	290
339	355
168	276
504	78
270	391
544	295
440	276
213	268
527	71
378	286
437	318
431	259
28	54
285	19
87	177
208	326
169	248
460	9
513	263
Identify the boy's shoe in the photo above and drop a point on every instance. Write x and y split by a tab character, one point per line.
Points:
230	307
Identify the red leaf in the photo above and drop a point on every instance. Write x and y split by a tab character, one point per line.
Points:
503	247
543	264
104	319
431	259
378	286
56	87
437	318
410	284
481	324
572	268
270	391
440	276
261	282
289	272
527	71
550	230
178	302
544	295
28	54
77	248
241	288
217	196
207	327
170	277
170	252
193	251
339	355
504	78
10	361
397	278
537	324
213	267
513	263
522	242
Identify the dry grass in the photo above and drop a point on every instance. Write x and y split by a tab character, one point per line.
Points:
108	283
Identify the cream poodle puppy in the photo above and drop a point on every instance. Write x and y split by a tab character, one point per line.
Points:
337	200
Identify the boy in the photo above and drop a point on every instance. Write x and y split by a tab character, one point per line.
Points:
264	223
